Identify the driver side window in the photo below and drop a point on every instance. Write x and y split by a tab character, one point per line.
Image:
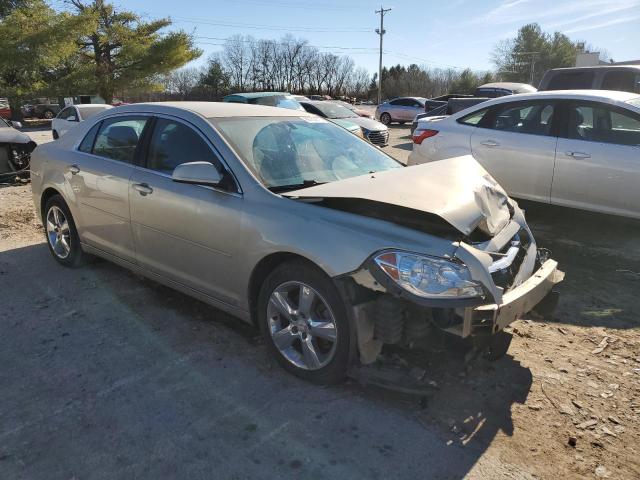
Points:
174	143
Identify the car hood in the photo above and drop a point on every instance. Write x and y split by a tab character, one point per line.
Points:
368	123
11	135
348	124
457	189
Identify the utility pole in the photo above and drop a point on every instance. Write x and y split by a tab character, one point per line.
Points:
381	31
532	63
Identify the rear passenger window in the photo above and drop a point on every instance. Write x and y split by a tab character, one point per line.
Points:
174	143
87	142
571	80
474	118
118	138
530	118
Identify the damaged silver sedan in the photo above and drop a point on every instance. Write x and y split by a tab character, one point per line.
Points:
288	221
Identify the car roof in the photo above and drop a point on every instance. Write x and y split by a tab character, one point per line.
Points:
93	106
513	86
212	109
257	94
595	67
410	98
608	96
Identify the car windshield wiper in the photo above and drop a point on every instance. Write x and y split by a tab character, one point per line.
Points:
295	186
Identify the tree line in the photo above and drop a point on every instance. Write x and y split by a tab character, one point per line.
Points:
92	47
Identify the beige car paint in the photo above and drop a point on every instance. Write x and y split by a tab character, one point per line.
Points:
208	243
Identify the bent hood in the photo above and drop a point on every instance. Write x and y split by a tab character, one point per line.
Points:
457	189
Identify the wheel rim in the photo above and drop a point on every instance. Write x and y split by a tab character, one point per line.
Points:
58	232
385	118
302	325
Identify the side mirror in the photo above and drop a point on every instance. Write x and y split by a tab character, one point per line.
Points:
16	124
197	173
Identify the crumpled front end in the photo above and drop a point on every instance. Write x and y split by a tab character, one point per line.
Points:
511	274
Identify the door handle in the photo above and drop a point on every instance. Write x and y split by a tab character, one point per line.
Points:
143	189
578	155
490	143
74	169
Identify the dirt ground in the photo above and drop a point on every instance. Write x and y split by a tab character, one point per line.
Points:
107	375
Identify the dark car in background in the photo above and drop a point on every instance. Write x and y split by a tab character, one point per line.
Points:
46	108
622	78
501	89
372	130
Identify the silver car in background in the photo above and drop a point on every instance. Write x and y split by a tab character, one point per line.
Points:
290	222
401	110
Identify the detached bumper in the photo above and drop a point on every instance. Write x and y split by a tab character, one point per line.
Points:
522	299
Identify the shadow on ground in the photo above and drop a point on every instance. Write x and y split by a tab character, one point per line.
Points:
108	375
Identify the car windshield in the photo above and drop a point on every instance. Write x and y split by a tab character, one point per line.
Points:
282	101
295	152
333	110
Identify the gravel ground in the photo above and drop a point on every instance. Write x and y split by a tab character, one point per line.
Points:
108	375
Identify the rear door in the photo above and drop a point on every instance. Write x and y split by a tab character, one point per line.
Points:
516	143
598	159
100	176
183	232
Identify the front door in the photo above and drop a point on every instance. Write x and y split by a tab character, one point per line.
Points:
516	143
187	233
99	176
598	161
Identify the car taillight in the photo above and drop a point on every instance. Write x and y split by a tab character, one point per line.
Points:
420	135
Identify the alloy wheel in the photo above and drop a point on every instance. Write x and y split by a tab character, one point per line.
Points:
302	325
58	232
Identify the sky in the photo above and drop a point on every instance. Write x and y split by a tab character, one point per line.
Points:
437	34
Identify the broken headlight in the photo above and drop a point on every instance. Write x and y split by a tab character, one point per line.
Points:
428	277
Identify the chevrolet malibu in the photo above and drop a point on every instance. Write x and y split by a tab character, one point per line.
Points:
288	221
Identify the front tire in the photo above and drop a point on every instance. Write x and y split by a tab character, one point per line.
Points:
385	119
304	322
55	135
62	236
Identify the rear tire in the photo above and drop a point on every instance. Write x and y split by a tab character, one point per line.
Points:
304	321
61	233
385	119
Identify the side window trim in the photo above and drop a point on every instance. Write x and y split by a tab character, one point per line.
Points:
225	167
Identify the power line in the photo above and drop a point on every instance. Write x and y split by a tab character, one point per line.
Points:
256	26
317	6
274	42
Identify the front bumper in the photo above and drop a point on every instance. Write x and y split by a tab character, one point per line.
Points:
492	318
